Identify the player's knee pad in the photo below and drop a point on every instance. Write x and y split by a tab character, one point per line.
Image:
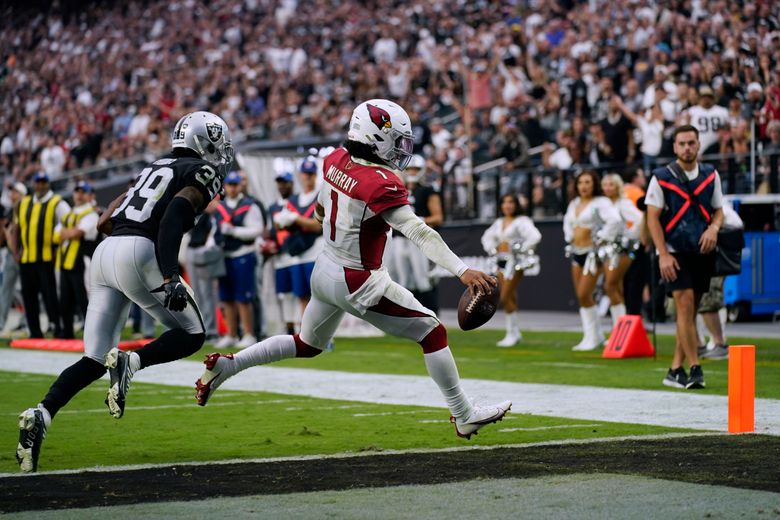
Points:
303	349
434	340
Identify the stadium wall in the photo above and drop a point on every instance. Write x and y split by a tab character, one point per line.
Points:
551	289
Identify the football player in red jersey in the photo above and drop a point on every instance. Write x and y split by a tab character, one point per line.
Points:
361	199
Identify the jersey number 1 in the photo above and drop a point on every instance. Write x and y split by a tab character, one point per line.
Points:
334	208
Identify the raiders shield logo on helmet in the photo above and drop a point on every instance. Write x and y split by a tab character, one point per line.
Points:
215	131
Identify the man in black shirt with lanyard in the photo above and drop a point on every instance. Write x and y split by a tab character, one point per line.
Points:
139	263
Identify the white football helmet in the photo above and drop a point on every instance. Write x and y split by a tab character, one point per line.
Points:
386	127
207	135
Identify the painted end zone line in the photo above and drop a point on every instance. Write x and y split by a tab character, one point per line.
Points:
105	469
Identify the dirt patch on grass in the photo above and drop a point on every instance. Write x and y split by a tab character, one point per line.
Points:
746	461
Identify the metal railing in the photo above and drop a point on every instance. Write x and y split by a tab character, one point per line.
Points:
547	191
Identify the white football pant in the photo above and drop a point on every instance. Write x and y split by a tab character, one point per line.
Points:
125	269
399	314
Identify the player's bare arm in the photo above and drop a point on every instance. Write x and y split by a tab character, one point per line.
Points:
319	213
432	245
104	224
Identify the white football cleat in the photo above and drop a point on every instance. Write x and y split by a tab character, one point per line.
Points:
214	375
480	416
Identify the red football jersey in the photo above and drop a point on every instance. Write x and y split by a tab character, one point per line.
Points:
354	195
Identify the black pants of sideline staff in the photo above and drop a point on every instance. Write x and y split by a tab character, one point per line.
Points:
73	298
38	278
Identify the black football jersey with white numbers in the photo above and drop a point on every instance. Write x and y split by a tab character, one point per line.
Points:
145	203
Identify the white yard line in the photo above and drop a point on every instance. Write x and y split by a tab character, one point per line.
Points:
543	428
679	409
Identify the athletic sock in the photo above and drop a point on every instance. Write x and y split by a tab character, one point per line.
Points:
442	369
71	381
617	311
267	351
172	345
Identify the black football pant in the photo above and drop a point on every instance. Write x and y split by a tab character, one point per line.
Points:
73	298
38	278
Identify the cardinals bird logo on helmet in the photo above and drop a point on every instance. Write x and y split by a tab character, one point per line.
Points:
379	116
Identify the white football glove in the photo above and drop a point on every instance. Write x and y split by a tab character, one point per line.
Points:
226	228
285	218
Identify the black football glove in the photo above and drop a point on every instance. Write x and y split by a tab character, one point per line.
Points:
175	294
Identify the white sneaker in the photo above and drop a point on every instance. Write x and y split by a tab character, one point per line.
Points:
510	340
214	375
246	341
226	342
480	416
585	346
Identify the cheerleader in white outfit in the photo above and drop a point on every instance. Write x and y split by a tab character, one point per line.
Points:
590	218
612	186
511	233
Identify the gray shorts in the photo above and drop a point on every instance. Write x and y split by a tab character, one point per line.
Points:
712	300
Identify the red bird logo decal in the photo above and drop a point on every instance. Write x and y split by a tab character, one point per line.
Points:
379	116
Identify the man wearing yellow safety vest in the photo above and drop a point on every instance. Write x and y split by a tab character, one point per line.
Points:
73	233
37	215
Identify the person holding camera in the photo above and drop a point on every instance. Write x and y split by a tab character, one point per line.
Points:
684	201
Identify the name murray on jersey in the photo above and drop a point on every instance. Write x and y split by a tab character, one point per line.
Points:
340	179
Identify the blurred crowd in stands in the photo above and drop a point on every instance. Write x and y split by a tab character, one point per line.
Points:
550	85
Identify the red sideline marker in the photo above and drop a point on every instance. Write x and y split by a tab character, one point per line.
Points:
628	339
70	345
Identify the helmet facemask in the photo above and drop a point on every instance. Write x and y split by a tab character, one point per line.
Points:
399	155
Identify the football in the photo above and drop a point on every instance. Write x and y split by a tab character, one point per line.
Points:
475	311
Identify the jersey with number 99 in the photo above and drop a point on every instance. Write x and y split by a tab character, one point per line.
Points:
353	196
145	203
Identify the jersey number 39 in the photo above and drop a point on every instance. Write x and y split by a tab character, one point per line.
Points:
148	189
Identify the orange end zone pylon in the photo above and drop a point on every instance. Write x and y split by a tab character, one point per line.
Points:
70	345
628	339
742	388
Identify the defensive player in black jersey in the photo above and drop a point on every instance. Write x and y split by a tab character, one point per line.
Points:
138	263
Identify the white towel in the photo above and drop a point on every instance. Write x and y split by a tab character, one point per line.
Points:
371	291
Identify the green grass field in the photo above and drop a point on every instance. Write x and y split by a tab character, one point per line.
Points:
543	357
163	424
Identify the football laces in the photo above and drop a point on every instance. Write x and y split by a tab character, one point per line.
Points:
473	302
